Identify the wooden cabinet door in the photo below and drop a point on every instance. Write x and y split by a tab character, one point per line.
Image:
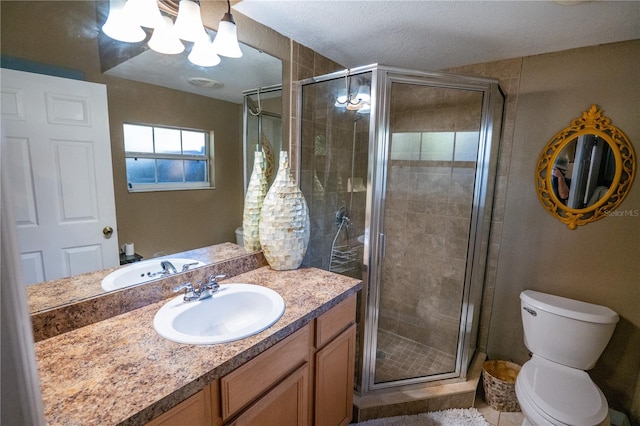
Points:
193	411
335	365
286	404
245	384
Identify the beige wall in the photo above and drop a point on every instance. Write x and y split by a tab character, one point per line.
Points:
597	263
64	34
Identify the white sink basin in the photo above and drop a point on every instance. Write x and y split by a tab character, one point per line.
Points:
140	272
236	311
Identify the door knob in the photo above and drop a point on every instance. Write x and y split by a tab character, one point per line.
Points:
107	231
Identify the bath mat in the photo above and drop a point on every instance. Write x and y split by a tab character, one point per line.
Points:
452	417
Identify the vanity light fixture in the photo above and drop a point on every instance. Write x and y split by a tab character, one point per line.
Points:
226	41
361	102
126	17
120	25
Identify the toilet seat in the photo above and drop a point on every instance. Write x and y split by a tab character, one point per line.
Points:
561	395
533	414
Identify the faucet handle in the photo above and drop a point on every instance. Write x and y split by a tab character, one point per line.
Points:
186	286
190	293
186	266
215	278
213	282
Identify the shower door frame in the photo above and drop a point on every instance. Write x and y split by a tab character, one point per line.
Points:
374	246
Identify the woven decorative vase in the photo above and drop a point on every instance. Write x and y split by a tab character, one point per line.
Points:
256	191
284	225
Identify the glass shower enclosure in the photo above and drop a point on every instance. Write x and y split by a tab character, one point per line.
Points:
262	115
398	168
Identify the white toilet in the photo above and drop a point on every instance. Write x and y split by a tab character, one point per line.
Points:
566	337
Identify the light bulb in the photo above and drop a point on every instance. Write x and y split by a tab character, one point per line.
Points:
120	25
203	53
188	24
226	41
145	12
163	40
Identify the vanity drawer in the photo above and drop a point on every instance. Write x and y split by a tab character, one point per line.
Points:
332	323
242	386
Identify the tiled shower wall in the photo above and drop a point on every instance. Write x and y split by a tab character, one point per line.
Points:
305	63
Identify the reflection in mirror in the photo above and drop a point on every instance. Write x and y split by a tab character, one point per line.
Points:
63	39
585	171
263	129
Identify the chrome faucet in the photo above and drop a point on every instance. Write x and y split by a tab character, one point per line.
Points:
203	291
168	268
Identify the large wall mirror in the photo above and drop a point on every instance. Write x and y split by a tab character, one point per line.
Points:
585	171
150	88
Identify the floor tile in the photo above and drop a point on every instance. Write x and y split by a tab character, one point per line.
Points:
495	417
401	358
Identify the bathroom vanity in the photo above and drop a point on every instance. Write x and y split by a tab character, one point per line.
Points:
120	371
308	374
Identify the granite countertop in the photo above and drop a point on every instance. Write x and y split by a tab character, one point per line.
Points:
120	371
63	291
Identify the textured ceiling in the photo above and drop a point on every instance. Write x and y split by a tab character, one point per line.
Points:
433	35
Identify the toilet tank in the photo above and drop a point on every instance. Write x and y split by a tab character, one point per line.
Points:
565	331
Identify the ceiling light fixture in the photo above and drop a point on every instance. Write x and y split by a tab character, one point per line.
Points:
127	17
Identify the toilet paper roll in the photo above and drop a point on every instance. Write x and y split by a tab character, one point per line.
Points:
128	249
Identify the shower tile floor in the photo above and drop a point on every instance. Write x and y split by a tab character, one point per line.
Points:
401	358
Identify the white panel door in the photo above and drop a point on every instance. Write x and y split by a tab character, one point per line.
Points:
58	150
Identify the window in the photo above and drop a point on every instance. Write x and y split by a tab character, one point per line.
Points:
435	146
167	158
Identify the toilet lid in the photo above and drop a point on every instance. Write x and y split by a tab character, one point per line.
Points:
563	393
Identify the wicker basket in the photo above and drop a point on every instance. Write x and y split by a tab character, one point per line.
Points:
499	380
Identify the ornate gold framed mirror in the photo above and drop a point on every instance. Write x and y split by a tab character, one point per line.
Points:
585	171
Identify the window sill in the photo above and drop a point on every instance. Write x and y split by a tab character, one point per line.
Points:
164	189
